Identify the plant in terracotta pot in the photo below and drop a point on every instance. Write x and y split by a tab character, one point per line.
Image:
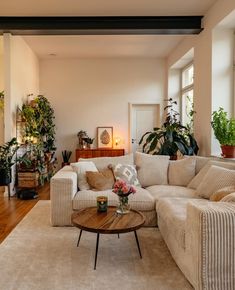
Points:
7	153
224	130
172	137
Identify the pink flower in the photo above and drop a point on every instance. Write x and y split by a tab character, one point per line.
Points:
122	188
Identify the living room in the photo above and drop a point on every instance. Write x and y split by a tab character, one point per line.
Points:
96	80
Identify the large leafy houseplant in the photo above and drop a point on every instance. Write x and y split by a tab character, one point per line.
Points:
171	137
38	116
224	130
7	155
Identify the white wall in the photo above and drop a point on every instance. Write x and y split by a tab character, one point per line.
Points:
87	93
21	78
203	64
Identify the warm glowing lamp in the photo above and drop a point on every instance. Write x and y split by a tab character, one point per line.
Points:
117	141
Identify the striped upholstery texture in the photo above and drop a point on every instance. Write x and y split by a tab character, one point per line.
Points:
218	247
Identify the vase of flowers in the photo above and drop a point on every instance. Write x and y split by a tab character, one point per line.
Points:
123	190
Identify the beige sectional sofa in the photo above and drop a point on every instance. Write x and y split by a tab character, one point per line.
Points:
199	233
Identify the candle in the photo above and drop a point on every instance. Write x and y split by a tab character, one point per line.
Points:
102	203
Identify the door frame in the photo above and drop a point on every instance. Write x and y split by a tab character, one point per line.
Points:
130	114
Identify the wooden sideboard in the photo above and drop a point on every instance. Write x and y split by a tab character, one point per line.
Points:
92	153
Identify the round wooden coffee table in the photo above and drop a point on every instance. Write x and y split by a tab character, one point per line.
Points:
109	222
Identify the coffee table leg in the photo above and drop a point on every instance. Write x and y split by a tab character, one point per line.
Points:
96	250
138	245
79	238
118	236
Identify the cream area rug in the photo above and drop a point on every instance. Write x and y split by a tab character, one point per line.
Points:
36	256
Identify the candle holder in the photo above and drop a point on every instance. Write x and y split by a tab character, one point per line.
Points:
102	203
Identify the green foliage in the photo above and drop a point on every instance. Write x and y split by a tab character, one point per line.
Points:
39	122
171	137
224	128
66	156
1	101
7	152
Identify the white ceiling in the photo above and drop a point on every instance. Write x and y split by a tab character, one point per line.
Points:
104	7
86	46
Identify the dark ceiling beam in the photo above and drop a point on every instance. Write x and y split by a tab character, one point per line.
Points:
100	25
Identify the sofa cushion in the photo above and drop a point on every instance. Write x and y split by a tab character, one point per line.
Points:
229	198
104	162
221	193
142	200
173	212
127	173
162	191
151	169
216	178
80	168
195	182
181	172
101	180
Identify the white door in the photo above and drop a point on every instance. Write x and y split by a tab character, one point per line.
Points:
143	119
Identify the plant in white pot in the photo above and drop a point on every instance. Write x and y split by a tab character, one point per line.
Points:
224	130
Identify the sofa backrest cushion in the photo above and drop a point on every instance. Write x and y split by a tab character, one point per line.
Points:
181	172
104	162
195	182
151	169
216	178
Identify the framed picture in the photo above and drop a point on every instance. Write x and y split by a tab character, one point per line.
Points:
105	137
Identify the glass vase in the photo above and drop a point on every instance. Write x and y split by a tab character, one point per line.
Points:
123	206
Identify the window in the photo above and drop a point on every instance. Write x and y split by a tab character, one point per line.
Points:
187	96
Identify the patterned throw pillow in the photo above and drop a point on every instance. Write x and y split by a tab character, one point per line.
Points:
127	173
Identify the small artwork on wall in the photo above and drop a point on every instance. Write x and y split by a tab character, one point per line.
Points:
105	137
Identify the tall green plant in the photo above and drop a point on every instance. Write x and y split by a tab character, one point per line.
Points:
7	153
224	128
171	137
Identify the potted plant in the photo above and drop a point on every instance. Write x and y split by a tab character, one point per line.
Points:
224	130
7	152
171	137
66	156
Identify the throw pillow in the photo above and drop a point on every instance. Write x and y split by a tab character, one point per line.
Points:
80	168
182	171
195	182
216	178
127	173
221	193
229	198
101	180
103	162
151	169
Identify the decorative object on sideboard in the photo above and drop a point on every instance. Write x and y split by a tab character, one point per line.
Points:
105	137
84	141
66	154
117	141
7	154
171	138
224	130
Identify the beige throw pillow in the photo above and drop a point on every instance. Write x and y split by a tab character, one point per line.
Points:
221	193
216	178
182	171
80	168
151	169
229	198
127	173
103	162
195	182
101	180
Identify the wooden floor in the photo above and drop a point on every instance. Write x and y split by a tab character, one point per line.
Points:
12	211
